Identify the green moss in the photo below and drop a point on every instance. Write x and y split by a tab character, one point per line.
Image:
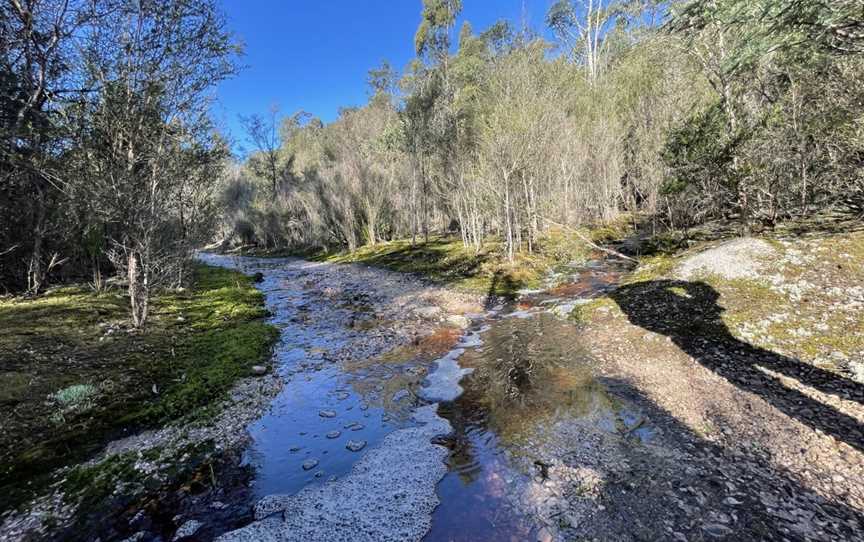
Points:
652	268
447	261
92	484
197	343
586	312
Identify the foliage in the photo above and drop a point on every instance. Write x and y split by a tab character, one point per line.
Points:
108	160
782	137
495	138
74	399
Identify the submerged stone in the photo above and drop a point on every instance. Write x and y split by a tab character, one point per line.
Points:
310	464
355	445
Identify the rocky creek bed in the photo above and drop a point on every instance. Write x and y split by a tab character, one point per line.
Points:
403	411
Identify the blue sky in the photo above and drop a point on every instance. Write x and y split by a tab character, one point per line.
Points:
314	54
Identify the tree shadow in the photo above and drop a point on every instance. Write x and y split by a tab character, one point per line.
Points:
702	482
688	313
502	287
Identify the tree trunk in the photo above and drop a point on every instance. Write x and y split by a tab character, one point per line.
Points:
36	269
139	295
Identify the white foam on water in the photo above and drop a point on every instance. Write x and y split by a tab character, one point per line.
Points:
522	315
442	384
473	340
388	496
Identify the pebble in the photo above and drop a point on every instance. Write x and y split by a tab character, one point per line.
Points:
259	370
327	413
310	464
188	529
333	434
716	530
355	445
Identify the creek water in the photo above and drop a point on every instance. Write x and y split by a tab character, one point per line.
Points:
528	371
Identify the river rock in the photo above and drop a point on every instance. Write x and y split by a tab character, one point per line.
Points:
327	413
187	529
428	313
716	530
258	277
310	464
457	320
259	370
399	395
355	445
333	434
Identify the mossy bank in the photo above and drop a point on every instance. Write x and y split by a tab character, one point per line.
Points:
75	376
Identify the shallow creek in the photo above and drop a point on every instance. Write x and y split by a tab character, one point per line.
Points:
503	384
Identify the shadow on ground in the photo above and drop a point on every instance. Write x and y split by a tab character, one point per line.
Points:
703	491
688	313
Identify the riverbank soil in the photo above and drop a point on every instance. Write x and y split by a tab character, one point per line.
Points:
747	358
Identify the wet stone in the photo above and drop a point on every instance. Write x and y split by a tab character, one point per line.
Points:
716	530
333	434
327	413
355	445
188	529
310	464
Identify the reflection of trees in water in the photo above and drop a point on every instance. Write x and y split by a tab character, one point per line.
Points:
466	418
528	369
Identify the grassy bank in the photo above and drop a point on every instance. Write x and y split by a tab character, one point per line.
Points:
445	259
73	375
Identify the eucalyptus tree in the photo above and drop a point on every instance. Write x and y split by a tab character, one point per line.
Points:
263	132
582	26
147	135
428	114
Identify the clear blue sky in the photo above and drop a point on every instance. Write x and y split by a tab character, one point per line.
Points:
314	54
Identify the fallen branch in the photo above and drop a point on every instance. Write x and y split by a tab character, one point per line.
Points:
591	243
8	250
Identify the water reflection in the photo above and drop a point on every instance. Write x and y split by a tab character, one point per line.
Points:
530	374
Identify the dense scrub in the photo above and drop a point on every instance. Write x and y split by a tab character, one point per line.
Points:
682	113
108	160
73	373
